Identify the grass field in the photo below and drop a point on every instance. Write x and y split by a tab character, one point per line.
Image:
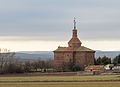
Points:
63	81
57	78
62	84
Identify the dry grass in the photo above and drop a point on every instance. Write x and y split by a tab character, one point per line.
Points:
34	81
58	78
62	84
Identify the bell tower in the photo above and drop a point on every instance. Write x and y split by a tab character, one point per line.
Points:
74	42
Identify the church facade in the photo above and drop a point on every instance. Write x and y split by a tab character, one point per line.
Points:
79	55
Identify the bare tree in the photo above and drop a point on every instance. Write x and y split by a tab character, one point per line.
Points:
6	57
27	66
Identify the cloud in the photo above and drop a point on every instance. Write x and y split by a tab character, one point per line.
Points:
52	19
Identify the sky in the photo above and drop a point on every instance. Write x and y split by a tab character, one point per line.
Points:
43	25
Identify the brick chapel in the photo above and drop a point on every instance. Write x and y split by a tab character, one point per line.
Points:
79	55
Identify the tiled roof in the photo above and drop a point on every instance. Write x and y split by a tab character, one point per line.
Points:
81	48
94	68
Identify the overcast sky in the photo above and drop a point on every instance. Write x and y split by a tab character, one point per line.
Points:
38	21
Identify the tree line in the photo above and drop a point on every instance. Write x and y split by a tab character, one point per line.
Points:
107	60
10	64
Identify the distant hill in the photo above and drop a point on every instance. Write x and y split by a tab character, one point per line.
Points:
111	54
43	55
46	55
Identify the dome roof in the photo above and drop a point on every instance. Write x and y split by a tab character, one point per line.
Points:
74	40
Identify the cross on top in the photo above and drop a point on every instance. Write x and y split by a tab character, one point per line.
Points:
74	23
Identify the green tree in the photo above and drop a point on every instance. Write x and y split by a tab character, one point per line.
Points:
106	60
76	67
98	61
103	60
116	60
